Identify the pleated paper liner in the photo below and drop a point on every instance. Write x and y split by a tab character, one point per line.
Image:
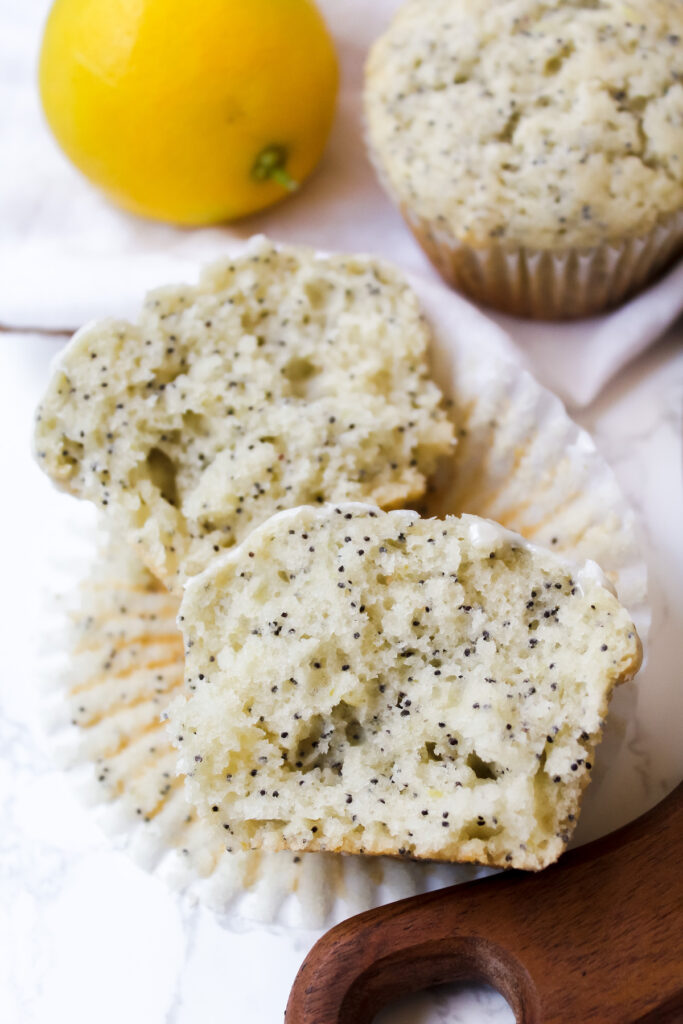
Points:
547	285
539	283
520	460
125	664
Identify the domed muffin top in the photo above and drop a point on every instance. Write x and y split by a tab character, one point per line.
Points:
531	123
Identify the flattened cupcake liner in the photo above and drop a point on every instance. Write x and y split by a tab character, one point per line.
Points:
124	663
546	285
520	460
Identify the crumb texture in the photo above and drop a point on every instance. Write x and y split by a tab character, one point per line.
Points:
281	379
373	682
539	124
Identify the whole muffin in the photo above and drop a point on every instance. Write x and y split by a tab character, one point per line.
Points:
535	149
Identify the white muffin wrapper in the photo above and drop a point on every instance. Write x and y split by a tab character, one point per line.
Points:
520	460
542	284
547	285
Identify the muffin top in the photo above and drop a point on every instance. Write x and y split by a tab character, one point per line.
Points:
549	125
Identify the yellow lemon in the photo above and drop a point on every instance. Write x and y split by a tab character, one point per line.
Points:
191	111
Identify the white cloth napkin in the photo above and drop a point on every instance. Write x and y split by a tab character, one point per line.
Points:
66	255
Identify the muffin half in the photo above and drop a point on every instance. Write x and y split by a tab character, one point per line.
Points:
371	682
282	378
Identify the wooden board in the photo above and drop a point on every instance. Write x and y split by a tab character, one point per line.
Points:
598	937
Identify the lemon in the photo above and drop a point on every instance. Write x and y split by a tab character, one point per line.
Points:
190	112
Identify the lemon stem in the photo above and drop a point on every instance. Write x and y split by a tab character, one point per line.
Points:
270	166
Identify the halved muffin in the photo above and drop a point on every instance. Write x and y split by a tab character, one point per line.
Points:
372	682
283	378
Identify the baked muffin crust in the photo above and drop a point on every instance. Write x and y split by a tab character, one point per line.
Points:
528	123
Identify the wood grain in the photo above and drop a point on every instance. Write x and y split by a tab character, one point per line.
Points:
598	937
49	332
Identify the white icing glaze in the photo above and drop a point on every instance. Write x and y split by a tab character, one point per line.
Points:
589	573
487	535
482	534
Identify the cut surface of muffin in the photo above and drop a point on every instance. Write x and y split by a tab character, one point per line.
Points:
531	124
373	682
282	378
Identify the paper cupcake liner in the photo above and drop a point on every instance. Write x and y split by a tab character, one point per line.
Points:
548	285
537	283
125	663
520	459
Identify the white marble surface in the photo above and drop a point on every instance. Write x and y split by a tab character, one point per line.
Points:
84	932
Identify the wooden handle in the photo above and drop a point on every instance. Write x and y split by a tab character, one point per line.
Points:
596	938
